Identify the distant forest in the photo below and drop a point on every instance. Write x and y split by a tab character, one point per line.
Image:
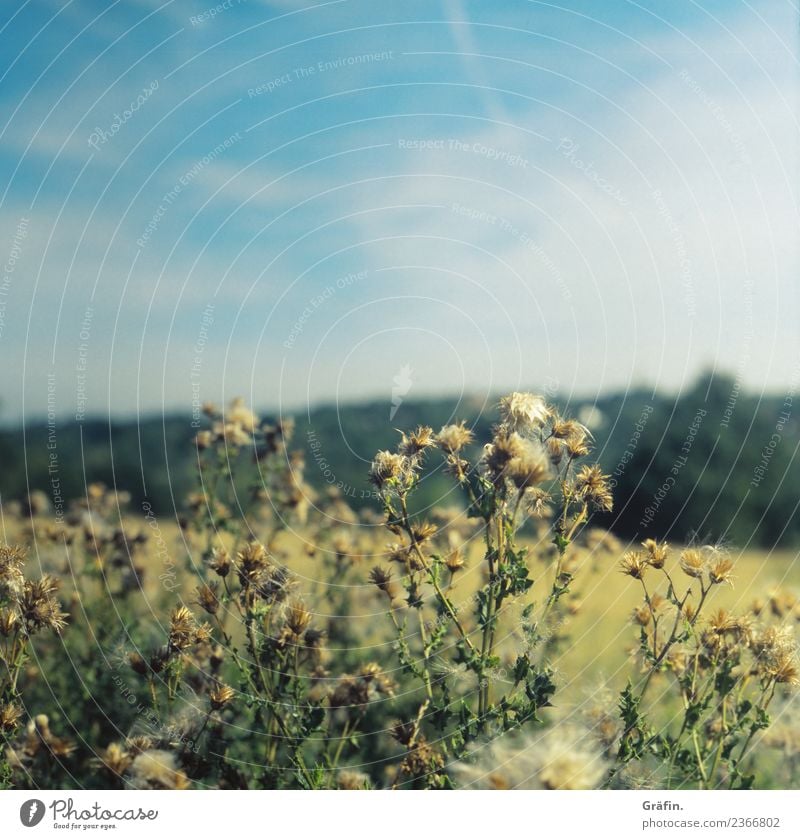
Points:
715	463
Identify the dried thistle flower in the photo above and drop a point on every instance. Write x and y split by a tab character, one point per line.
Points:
12	559
634	564
537	501
423	531
206	598
9	621
576	447
239	414
275	584
529	466
138	664
115	759
156	769
564	429
220	562
592	486
297	618
220	695
505	446
388	466
39	607
563	758
523	412
182	629
10	715
382	579
455	561
656	553
784	669
347	779
555	450
413	444
693	563
251	563
451	439
720	571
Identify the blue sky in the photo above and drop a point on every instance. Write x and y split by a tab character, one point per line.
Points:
304	200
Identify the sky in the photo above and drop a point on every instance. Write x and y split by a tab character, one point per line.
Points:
306	203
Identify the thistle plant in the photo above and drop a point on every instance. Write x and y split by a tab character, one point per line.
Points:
719	672
244	665
28	608
530	468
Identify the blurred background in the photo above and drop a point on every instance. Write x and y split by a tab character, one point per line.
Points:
371	215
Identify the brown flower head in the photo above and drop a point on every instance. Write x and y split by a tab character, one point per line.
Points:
656	552
592	486
693	563
634	564
451	439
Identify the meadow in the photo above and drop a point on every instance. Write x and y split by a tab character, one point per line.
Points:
272	636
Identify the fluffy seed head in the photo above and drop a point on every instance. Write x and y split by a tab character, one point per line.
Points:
529	466
157	769
451	439
523	412
387	466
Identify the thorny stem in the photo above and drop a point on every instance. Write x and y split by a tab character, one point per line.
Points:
423	637
437	588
